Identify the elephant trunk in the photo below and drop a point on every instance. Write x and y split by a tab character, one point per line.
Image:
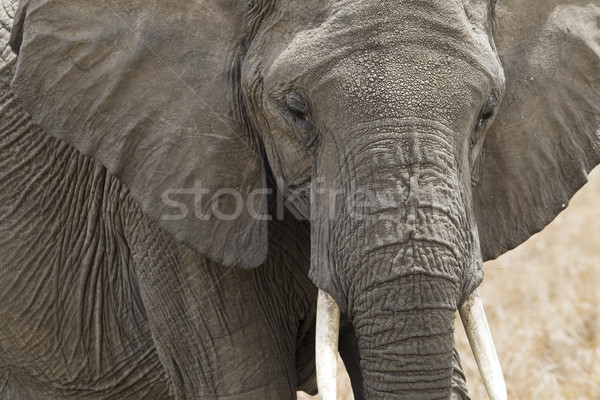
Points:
398	251
475	323
406	335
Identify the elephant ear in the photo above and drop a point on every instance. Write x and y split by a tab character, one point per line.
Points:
150	89
547	134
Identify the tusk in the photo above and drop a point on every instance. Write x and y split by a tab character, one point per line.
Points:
480	338
326	345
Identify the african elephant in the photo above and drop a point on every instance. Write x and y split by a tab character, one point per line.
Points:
144	246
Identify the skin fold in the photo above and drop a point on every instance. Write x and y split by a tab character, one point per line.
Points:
144	144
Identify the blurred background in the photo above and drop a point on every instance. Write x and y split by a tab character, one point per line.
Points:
542	301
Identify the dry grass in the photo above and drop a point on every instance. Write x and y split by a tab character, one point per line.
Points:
543	305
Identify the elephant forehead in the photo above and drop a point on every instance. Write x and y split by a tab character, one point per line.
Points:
417	57
384	25
408	84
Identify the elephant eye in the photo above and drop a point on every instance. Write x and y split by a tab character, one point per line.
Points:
488	112
483	119
296	105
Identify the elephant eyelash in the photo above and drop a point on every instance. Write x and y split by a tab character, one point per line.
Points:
487	113
482	122
296	105
295	110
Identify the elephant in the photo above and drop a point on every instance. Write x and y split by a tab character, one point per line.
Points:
197	195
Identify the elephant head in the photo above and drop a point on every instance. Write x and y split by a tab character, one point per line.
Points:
421	138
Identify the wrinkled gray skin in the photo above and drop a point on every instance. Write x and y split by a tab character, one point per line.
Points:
101	296
96	302
99	303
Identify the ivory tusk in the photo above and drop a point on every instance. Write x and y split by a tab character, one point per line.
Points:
480	338
326	345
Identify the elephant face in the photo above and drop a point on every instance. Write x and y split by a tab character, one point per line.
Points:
381	123
375	118
382	119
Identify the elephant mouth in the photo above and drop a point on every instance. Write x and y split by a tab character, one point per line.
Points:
472	315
